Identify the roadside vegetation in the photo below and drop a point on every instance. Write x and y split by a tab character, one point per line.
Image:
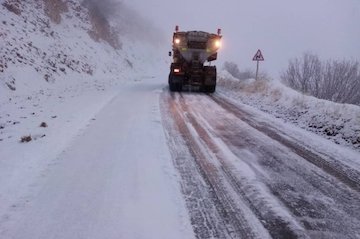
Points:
245	74
298	102
334	80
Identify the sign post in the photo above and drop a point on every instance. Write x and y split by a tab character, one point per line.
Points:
258	57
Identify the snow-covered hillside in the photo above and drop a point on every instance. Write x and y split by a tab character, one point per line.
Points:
337	122
52	47
52	40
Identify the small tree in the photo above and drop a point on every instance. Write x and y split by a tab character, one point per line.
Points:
304	74
342	82
337	81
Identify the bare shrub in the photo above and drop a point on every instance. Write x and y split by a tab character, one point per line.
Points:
233	69
342	82
333	80
262	76
26	139
11	85
304	74
43	125
54	8
13	6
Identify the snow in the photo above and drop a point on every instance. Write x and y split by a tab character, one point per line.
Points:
249	178
337	122
276	182
101	168
94	129
122	139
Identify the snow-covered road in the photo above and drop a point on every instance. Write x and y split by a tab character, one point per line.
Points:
135	161
247	175
114	180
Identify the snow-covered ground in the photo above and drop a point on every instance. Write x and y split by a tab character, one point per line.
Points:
96	164
103	170
339	123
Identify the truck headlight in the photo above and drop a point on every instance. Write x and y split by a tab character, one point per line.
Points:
217	43
177	41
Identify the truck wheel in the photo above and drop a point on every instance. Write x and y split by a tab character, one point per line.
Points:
179	87
210	88
175	83
172	87
175	87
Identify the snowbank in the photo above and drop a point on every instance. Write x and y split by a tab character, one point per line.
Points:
337	122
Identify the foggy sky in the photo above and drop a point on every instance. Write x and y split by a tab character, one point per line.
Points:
282	29
126	21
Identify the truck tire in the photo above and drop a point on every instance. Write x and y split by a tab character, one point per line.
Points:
209	88
175	86
210	79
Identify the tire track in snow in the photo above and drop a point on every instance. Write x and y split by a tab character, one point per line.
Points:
278	226
229	212
198	196
347	175
333	212
197	115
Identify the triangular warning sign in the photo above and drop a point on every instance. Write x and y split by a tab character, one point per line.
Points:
258	56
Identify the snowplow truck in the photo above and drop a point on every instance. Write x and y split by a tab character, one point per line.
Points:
192	53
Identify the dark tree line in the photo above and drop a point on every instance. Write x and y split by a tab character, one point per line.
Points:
333	80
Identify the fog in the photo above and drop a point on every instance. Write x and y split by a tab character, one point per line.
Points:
282	29
127	21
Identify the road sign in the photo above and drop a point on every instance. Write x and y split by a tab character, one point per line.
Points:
258	56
